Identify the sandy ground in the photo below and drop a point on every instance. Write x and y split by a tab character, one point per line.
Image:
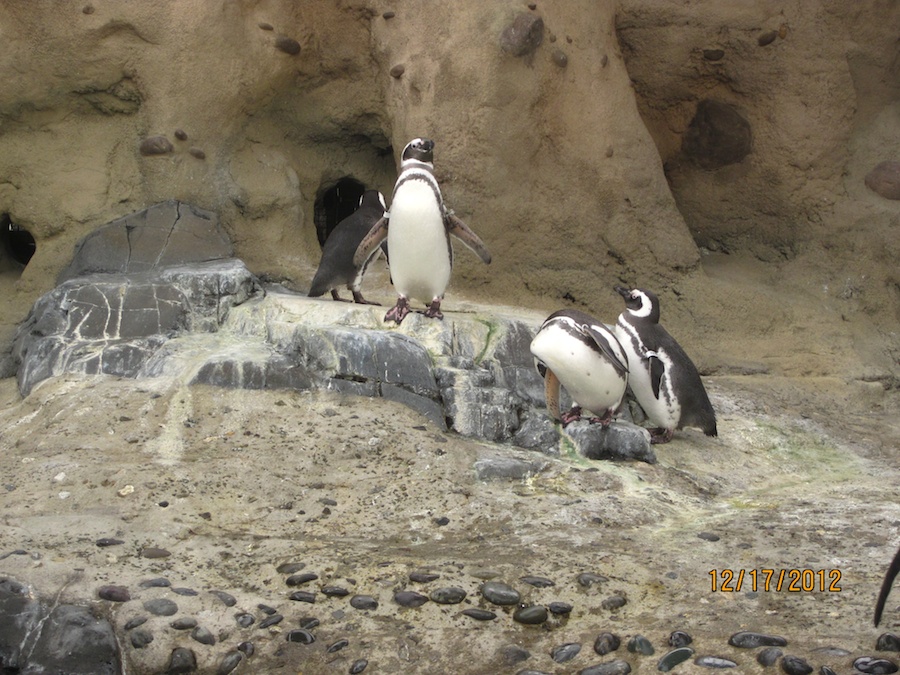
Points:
235	483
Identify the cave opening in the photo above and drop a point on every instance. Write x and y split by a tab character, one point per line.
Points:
334	202
17	242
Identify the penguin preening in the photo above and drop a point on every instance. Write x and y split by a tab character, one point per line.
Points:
418	228
336	267
581	353
889	576
663	378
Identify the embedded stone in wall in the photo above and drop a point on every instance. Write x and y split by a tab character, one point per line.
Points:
884	179
524	35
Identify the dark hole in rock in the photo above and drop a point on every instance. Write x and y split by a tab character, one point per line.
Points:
17	242
334	203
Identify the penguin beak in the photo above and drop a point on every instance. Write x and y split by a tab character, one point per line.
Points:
624	292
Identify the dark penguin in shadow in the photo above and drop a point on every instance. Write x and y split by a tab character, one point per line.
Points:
889	577
662	377
336	268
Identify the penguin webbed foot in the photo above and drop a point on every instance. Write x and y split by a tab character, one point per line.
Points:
604	421
573	414
360	300
399	311
337	298
434	310
660	435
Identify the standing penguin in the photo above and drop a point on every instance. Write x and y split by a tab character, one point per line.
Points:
889	576
418	229
575	349
663	378
336	268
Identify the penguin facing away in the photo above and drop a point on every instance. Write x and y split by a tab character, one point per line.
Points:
663	378
418	228
574	349
336	267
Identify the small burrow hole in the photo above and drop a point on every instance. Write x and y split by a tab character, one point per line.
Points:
335	202
17	242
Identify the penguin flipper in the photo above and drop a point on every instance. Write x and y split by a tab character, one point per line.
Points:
889	577
657	370
600	337
461	231
371	242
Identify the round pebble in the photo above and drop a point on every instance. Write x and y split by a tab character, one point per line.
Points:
888	642
714	662
874	666
531	615
640	645
451	595
513	654
397	71
229	662
203	635
181	135
565	652
768	656
300	635
500	593
538	582
673	658
135	622
287	44
363	602
273	620
161	607
388	15
298	579
614	602
335	592
290	568
606	643
617	667
560	58
423	577
749	640
308	622
479	614
767	38
158	582
190	592
679	638
108	541
197	152
227	599
302	596
337	646
155	145
184	623
358	666
265	609
588	579
794	665
559	608
410	599
713	54
141	638
247	648
114	593
265	26
708	536
182	660
245	620
884	179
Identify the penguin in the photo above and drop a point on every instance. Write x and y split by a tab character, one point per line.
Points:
581	353
336	267
663	378
890	575
418	228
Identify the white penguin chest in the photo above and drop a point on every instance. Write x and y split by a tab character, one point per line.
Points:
663	410
418	247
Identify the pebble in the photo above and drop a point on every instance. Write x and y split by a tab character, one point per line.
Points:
337	646
532	614
768	656
229	662
358	666
135	622
423	577
679	638
714	662
748	640
450	595
203	635
181	134
335	592
588	579
513	654
300	635
708	536
265	609
114	593
265	26
565	652
388	15
606	643
302	596
185	591
363	602
617	667
141	638
308	622
524	35
161	607
767	38
614	602
245	620
713	54
868	664
825	670
640	645
538	582
182	660
247	648
228	599
673	658
559	608
560	58
479	614
888	642
410	599
500	593
184	623
287	44
156	145
197	152
884	179
794	665
290	568
158	582
298	579
108	541
273	620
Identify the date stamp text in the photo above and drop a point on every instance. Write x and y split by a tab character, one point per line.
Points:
778	580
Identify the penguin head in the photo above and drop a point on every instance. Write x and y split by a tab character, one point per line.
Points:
419	150
640	303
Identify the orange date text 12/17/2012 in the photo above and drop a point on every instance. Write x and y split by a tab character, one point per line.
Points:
779	580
